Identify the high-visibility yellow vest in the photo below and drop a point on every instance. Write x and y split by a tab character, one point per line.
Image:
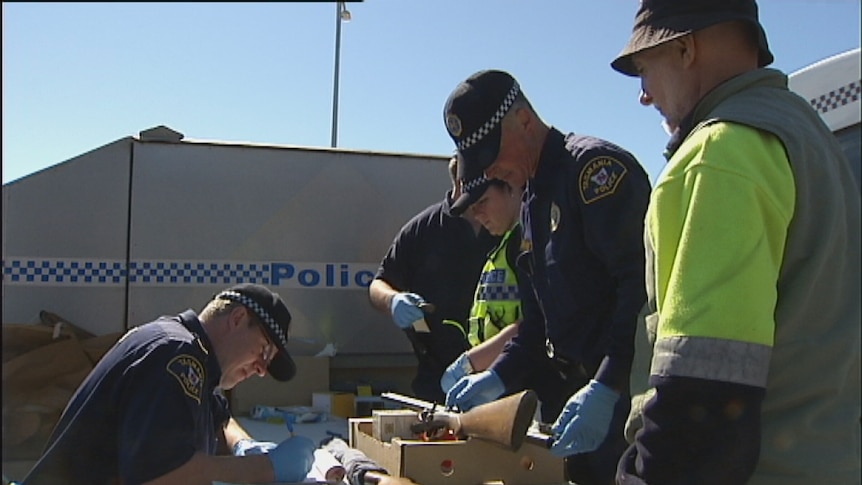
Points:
496	303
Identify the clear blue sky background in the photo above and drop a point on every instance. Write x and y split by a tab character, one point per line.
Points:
77	76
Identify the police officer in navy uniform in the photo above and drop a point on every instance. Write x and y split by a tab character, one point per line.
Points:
581	271
435	258
152	409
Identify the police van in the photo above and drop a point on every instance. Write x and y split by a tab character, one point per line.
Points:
832	86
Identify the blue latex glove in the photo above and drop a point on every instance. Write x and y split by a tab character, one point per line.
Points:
248	446
474	390
292	459
460	368
405	309
584	422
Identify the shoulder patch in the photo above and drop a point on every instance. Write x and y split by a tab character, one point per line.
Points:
600	178
189	373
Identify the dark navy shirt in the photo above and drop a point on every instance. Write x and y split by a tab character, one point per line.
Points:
581	269
149	404
439	257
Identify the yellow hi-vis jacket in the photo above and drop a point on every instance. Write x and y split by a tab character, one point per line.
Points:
496	303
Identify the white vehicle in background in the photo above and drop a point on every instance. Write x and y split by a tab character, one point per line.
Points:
833	88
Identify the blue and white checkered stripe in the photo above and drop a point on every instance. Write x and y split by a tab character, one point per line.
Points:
259	310
66	271
36	271
837	97
221	273
498	292
489	125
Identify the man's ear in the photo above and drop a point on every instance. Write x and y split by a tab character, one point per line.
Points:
235	317
686	46
523	117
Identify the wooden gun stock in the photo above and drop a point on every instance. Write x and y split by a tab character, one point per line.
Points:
504	421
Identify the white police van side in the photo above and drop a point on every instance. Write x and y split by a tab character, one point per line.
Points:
832	86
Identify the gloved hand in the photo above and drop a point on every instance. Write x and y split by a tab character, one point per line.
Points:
475	389
405	309
248	446
456	370
584	422
292	459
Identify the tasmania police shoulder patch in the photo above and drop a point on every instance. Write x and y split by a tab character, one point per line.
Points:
189	373
600	178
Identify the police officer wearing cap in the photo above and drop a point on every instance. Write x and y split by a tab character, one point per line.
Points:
152	409
753	243
436	258
496	307
581	268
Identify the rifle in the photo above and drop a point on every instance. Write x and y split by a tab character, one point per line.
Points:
505	421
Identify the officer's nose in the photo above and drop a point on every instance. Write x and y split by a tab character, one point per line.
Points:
490	172
259	368
644	97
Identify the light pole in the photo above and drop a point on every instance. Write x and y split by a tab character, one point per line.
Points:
341	15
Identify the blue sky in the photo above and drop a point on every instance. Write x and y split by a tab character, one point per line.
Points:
79	75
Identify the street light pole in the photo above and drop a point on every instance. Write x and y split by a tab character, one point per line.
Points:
341	15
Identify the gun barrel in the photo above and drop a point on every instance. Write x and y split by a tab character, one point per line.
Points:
410	402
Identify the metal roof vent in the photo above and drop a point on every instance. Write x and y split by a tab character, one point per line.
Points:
161	133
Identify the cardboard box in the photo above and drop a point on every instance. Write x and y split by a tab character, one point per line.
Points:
312	375
40	374
393	423
334	403
467	462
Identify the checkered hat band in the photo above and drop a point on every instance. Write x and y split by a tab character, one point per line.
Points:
472	184
259	310
489	125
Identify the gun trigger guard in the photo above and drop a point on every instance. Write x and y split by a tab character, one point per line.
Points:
426	415
430	428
